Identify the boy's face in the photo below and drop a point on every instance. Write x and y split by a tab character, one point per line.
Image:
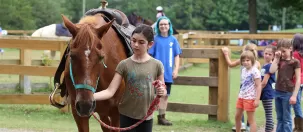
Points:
164	26
285	52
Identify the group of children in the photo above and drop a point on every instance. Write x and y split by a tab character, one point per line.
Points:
261	84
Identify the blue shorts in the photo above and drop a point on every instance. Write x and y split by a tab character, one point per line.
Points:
168	87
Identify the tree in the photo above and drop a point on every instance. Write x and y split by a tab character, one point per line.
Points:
252	10
16	14
295	4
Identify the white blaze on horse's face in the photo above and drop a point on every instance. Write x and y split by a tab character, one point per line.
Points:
87	53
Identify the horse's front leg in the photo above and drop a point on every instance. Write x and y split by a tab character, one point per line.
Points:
82	122
106	120
115	117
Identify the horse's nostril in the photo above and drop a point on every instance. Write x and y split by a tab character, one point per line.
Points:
78	108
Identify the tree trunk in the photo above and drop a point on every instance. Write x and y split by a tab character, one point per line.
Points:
252	9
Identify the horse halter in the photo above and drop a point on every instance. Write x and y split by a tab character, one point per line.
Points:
81	86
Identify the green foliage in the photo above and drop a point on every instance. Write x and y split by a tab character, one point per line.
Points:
185	14
46	60
296	4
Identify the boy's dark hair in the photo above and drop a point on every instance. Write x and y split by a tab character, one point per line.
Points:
297	43
284	43
146	30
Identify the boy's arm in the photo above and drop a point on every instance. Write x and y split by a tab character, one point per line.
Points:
293	98
177	62
176	69
274	66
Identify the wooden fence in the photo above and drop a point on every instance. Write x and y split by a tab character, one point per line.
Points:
24	66
20	32
203	41
217	82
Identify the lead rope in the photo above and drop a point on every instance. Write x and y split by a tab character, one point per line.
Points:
151	109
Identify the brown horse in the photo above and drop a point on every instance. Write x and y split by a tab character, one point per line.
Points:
136	20
95	51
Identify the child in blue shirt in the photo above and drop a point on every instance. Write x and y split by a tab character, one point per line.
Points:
268	82
166	49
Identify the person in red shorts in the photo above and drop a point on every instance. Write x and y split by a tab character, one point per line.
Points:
250	91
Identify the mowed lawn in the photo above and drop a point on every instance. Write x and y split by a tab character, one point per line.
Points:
48	118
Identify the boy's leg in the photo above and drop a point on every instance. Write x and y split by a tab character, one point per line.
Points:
279	111
297	106
287	119
162	107
298	110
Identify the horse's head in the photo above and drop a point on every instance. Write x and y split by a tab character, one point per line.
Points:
141	20
84	60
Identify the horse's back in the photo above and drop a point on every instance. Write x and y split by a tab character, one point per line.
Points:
46	31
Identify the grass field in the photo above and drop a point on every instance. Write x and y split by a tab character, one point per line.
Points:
48	118
45	117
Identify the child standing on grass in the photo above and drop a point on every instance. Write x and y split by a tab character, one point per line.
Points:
286	89
250	91
139	73
268	80
167	50
297	43
252	47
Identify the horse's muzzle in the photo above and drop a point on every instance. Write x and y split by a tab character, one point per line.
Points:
85	108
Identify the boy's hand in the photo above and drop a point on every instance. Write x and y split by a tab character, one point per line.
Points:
278	54
293	100
175	74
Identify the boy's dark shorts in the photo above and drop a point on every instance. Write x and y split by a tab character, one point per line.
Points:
168	87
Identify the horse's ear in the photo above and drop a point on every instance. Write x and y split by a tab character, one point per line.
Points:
104	28
69	25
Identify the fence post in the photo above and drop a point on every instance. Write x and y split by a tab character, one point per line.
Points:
181	43
223	89
213	91
24	81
